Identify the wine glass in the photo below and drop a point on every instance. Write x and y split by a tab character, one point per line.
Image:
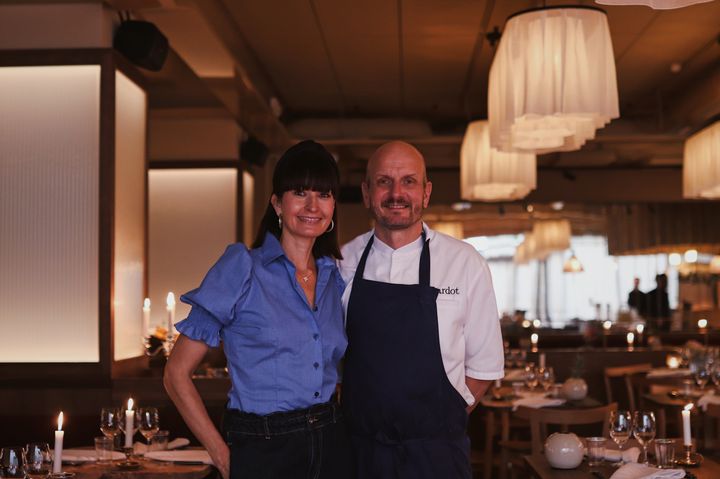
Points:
546	376
715	375
12	462
620	427
644	430
531	377
148	422
110	422
38	461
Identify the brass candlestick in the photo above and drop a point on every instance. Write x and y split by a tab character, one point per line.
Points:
689	459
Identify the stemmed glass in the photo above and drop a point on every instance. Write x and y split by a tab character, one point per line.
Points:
620	427
546	376
644	430
149	422
531	377
702	376
12	462
38	461
110	422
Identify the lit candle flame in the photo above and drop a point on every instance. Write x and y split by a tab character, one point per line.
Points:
130	404
146	304
630	337
688	407
60	421
702	323
607	325
170	300
534	338
640	328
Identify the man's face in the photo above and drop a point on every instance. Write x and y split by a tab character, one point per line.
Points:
395	191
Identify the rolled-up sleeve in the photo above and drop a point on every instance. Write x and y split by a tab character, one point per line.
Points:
484	358
214	302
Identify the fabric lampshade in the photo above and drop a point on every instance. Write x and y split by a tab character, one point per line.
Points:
552	235
552	82
654	4
490	175
701	163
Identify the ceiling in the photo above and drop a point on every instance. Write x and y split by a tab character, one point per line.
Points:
354	74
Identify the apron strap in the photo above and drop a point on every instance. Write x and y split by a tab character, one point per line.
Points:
424	273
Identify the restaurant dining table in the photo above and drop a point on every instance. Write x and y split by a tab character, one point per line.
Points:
541	469
148	469
497	411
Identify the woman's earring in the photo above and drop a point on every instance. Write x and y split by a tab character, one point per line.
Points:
332	226
279	221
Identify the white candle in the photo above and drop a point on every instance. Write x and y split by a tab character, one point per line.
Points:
146	317
534	340
57	457
687	435
640	328
171	315
129	423
542	360
630	339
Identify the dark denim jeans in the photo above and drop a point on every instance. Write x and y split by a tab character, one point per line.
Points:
310	443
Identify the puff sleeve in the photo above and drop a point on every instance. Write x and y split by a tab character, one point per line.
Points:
214	302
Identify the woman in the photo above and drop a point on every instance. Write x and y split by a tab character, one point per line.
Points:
278	312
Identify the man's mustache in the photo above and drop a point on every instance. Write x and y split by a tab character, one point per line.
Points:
394	202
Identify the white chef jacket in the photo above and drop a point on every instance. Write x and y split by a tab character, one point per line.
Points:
468	321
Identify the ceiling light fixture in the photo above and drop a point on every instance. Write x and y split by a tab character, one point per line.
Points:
701	163
552	82
490	175
573	265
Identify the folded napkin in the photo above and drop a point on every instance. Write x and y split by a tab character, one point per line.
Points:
140	448
628	455
641	471
709	398
86	455
187	455
668	373
537	402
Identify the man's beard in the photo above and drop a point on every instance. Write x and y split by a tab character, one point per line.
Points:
392	222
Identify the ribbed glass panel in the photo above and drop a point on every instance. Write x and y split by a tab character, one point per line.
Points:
191	220
49	147
130	120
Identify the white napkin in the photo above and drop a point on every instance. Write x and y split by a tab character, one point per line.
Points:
641	471
86	455
628	455
187	455
668	373
140	448
537	402
709	398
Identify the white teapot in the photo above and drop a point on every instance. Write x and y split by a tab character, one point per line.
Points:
564	450
574	389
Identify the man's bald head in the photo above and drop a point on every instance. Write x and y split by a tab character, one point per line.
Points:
398	150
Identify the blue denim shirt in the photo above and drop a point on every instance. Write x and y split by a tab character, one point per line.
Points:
281	353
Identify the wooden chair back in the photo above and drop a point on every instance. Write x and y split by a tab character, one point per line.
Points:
540	418
626	373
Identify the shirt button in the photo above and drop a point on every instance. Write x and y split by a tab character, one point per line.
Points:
316	365
316	336
317	394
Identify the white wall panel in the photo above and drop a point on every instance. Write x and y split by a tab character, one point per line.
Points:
49	147
130	122
191	220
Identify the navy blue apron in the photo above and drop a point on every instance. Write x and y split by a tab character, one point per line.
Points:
406	419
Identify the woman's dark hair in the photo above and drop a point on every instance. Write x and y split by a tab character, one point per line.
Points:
304	166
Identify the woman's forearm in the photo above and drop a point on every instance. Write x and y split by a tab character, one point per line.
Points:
179	386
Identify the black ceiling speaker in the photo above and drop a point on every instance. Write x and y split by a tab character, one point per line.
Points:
142	43
254	151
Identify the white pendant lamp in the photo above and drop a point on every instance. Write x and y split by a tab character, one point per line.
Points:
654	4
552	82
489	175
701	164
573	265
551	235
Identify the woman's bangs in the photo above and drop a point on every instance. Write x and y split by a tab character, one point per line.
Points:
309	175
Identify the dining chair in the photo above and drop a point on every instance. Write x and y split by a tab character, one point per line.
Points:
626	373
541	418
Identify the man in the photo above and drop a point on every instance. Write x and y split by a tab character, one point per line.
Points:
423	330
657	305
636	298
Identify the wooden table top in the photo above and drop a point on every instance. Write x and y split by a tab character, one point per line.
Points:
147	470
710	469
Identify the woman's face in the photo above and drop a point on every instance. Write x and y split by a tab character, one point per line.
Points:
305	213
